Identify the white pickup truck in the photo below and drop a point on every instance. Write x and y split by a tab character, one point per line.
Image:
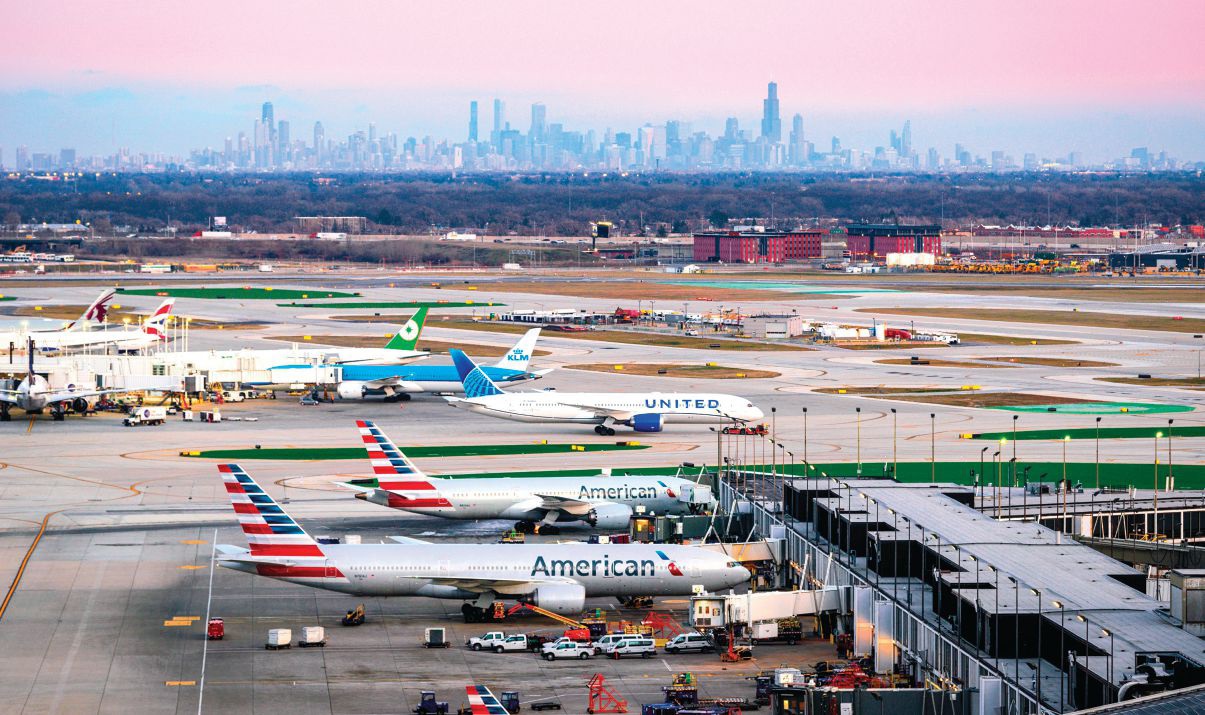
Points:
515	643
487	641
568	649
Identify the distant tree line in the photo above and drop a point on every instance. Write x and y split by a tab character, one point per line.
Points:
565	204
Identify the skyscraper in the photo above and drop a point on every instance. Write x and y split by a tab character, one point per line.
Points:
499	123
319	141
771	122
268	119
473	121
539	123
906	139
797	152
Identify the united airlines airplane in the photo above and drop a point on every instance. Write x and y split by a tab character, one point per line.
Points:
540	504
555	577
642	411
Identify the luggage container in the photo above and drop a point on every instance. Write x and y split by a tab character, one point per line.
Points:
312	637
279	638
435	638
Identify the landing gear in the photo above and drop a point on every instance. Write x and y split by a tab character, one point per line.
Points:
398	397
547	529
4	412
525	527
604	430
58	412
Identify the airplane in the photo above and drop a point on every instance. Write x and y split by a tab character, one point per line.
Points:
359	381
541	504
642	411
76	335
94	315
555	577
34	394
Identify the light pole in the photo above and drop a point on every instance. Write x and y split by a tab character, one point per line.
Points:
1155	501
1066	439
1013	475
1038	593
1171	479
895	460
996	459
1098	453
1109	685
981	453
858	452
932	447
805	436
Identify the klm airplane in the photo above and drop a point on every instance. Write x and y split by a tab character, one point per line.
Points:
398	382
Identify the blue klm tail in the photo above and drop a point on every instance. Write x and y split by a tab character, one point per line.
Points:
476	382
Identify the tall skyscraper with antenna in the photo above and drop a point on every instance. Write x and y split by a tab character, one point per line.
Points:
771	121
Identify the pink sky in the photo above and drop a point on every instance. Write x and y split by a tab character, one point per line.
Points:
698	56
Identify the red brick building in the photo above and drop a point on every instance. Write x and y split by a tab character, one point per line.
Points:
870	241
757	246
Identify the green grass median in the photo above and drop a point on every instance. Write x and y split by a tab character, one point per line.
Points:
334	453
238	293
388	304
1080	433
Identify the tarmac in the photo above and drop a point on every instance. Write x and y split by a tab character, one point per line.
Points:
106	532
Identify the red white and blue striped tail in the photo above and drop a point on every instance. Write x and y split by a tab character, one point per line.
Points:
269	530
482	701
156	325
395	472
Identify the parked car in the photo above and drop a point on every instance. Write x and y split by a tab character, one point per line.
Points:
632	646
570	649
486	641
512	643
689	642
602	644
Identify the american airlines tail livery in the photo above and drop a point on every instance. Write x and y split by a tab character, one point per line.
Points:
642	411
556	577
540	504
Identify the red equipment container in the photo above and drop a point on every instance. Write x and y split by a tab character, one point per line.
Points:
216	629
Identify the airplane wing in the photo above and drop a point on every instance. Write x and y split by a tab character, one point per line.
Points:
406	540
60	395
567	505
617	415
8	396
480	584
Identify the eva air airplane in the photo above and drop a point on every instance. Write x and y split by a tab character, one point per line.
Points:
540	504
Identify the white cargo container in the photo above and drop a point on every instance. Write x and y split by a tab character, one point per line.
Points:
312	637
351	538
279	638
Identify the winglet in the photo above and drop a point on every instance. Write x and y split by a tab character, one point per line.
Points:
476	382
518	356
407	336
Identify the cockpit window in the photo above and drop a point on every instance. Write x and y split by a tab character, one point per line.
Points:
733	565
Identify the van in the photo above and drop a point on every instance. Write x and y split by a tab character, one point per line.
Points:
643	647
602	644
687	642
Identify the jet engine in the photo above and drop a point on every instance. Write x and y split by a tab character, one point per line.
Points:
648	422
567	599
351	390
613	517
79	405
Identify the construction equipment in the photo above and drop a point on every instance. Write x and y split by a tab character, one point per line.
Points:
602	698
355	616
576	630
428	705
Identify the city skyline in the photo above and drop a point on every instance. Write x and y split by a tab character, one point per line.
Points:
998	75
541	145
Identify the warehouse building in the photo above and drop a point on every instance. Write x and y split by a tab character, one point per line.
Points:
758	246
773	327
868	241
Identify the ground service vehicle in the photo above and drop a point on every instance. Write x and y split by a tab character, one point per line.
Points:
602	644
355	616
428	705
569	649
687	642
486	641
145	416
512	643
215	630
643	647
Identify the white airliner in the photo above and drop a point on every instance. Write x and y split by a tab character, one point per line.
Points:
34	394
642	411
541	504
556	577
83	332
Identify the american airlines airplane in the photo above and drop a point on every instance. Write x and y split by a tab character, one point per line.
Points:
541	504
398	383
555	577
642	411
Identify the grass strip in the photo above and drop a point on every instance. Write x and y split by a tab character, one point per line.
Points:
389	304
238	293
336	453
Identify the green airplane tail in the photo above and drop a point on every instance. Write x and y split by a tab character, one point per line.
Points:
407	336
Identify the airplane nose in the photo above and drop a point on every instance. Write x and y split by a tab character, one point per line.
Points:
755	413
